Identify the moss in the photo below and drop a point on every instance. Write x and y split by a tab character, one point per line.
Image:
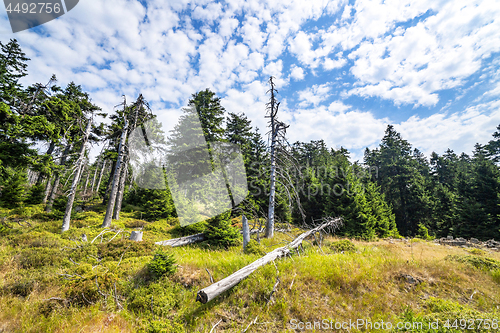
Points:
39	257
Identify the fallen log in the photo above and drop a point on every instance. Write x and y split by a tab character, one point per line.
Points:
209	293
181	241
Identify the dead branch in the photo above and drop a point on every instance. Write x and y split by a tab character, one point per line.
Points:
213	327
211	278
71	277
275	285
251	323
121	257
118	305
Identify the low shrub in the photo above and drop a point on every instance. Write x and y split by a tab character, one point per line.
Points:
39	257
423	232
254	247
158	298
477	262
343	245
191	229
220	233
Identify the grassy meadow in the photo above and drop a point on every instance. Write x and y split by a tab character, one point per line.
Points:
53	282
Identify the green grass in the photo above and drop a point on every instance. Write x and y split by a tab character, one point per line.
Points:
56	283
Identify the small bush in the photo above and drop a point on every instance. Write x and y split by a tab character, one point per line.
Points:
220	233
22	287
60	203
343	245
477	262
34	195
496	275
254	247
423	232
159	297
191	229
164	326
476	251
163	263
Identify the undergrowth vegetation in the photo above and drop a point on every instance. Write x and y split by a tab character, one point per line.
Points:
61	283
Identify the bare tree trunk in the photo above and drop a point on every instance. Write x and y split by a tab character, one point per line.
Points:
121	187
47	190
136	236
181	241
124	172
76	179
245	230
270	216
110	182
95	175
86	180
100	175
114	188
53	191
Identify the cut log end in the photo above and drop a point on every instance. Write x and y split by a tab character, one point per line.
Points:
201	297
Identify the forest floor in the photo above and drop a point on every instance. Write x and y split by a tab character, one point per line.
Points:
53	282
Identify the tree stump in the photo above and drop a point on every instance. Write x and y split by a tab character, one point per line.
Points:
136	236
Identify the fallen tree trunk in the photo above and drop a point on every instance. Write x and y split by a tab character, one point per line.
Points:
174	242
183	240
209	293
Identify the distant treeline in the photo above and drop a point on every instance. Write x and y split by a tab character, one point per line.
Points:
395	191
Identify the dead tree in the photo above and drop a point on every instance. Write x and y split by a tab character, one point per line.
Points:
48	187
209	293
138	118
94	177
126	159
104	162
76	178
116	175
86	180
281	160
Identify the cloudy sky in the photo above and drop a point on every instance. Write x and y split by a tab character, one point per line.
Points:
344	69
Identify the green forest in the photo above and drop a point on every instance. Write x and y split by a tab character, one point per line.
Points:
395	191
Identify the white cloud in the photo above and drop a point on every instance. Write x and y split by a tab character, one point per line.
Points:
297	73
438	53
458	131
405	51
314	95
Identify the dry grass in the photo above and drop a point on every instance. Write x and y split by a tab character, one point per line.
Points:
382	280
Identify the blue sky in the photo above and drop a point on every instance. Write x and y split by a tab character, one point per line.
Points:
344	69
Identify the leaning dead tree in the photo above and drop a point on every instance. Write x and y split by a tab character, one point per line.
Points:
134	116
76	177
281	162
116	175
209	293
